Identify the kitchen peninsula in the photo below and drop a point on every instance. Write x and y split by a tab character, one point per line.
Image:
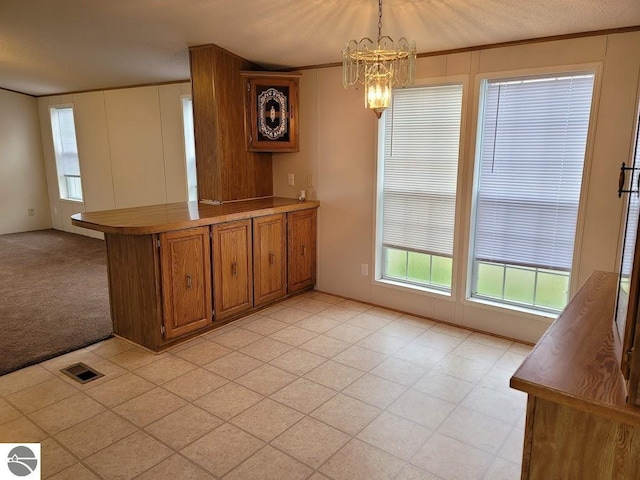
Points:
178	270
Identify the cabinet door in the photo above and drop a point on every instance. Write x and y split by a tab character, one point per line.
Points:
628	306
271	105
301	249
269	258
186	280
232	268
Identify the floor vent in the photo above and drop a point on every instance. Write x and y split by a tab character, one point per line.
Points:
81	373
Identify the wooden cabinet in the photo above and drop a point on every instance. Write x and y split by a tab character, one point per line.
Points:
269	258
301	246
232	268
628	298
271	111
167	262
579	424
186	280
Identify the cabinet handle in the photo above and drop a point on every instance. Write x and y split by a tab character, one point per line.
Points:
189	284
272	259
234	268
304	250
621	179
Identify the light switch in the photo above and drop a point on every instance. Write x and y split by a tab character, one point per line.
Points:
291	179
364	269
311	181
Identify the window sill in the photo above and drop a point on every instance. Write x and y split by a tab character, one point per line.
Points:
71	200
530	313
409	288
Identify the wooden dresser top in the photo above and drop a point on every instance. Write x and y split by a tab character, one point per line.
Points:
577	360
176	216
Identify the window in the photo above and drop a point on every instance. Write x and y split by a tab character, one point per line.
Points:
66	153
532	142
420	137
189	147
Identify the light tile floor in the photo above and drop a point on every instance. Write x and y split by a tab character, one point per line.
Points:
313	388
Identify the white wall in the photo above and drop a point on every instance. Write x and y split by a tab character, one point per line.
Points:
130	146
338	146
22	179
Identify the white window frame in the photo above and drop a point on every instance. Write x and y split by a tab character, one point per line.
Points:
377	278
63	193
574	282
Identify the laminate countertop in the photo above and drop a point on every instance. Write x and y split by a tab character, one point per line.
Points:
177	216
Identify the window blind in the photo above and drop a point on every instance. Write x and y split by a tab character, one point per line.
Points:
421	143
533	142
66	141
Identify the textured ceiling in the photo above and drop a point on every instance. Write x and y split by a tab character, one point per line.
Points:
57	46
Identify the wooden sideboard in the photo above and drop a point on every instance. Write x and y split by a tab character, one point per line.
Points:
180	269
579	424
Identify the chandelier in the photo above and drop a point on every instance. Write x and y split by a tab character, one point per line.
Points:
379	66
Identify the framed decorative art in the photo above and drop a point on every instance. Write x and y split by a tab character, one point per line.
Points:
271	111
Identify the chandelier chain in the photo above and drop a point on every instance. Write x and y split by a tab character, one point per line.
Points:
379	20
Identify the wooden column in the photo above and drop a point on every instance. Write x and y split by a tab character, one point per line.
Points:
225	169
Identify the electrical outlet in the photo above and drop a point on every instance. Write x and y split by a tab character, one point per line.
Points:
311	181
31	212
291	179
364	269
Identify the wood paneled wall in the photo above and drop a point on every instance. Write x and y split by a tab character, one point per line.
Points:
225	170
